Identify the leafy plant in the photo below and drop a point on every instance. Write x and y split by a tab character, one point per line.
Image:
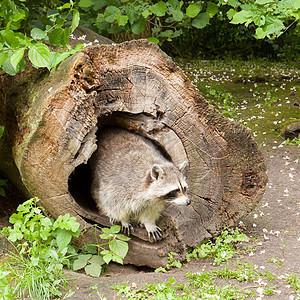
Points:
95	257
5	288
42	247
269	16
294	282
172	263
294	141
17	39
222	249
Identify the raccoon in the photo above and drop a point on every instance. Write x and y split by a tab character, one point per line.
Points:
132	181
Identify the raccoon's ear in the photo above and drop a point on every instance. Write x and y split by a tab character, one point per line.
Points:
156	171
183	167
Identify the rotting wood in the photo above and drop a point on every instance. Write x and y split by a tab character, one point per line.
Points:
51	123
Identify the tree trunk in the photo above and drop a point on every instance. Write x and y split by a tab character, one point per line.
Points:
51	122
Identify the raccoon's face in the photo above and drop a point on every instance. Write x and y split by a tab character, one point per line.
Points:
168	184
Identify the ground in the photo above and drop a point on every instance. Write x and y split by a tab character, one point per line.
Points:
263	97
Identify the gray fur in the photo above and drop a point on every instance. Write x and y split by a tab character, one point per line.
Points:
131	178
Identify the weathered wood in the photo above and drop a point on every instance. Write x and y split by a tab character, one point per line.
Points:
52	120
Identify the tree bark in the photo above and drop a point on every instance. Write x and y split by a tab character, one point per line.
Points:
51	121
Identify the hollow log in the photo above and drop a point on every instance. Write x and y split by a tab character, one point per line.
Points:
51	123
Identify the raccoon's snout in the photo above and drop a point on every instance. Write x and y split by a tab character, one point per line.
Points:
181	201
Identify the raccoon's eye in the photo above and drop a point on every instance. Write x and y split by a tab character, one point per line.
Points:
184	189
172	194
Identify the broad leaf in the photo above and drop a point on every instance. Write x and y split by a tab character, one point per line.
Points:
234	3
193	10
75	20
118	247
85	3
177	15
264	1
159	9
201	20
212	9
122	20
241	17
153	40
38	34
63	238
97	259
16	57
79	264
138	27
39	55
93	270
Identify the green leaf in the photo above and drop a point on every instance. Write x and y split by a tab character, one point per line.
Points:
63	238
107	258
159	9
119	247
241	17
153	40
177	15
231	12
38	34
1	131
110	13
79	264
9	68
122	20
146	13
234	3
264	1
11	39
16	57
75	20
297	4
115	229
93	270
39	55
97	259
133	16
212	9
57	36
85	3
138	27
193	10
201	20
3	57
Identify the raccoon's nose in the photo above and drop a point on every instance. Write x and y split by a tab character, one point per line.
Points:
188	202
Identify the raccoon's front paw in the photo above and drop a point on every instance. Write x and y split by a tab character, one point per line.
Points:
154	233
127	228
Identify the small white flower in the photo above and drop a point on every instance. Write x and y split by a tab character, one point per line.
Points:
262	267
255	216
262	252
134	285
50	89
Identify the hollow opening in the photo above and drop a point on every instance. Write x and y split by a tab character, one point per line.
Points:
80	179
80	189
